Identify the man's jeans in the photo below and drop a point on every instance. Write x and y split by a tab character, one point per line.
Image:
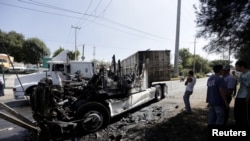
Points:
216	115
186	100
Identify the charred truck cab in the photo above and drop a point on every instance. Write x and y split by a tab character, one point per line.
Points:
60	69
81	108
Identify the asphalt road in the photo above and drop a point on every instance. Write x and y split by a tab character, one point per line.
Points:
10	131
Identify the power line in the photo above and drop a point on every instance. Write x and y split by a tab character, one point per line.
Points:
38	10
95	17
50	6
104	19
92	21
85	11
131	28
113	28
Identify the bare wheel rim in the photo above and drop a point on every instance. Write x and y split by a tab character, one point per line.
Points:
92	121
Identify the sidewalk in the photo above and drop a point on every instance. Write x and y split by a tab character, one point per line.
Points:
8	96
9	83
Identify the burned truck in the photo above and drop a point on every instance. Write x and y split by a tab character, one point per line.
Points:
81	107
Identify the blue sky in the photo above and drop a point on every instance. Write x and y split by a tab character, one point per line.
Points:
107	27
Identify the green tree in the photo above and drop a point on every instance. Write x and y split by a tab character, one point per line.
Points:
221	62
188	61
58	51
71	54
28	51
12	43
186	58
201	65
227	24
34	50
101	63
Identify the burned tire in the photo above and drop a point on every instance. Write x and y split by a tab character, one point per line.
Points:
158	93
165	91
93	116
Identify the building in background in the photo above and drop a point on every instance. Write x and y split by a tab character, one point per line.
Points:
5	62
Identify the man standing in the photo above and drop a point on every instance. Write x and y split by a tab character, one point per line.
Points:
216	97
190	82
236	82
1	88
230	85
242	100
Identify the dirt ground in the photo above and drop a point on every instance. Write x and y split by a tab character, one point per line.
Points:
189	127
179	127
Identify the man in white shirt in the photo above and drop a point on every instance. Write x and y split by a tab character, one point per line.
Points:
242	100
190	82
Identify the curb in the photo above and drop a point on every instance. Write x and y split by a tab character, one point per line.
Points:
19	103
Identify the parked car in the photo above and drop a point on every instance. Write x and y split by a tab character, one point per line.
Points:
18	68
209	74
31	68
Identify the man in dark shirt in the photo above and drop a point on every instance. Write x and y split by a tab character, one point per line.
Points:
230	85
216	97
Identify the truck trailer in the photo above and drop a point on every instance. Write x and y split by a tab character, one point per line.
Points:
158	65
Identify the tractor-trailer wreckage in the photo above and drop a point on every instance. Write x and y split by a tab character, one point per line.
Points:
79	107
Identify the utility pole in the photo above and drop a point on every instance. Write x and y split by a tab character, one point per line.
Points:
194	55
94	53
176	59
83	53
229	50
75	27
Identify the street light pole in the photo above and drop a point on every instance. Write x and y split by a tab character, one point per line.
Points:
75	27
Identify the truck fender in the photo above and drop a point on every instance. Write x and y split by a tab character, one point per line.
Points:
30	90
